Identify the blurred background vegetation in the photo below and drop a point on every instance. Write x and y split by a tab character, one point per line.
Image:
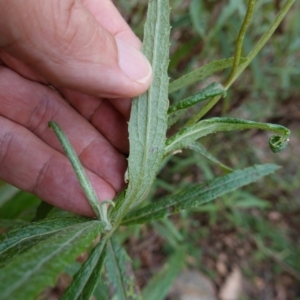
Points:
256	229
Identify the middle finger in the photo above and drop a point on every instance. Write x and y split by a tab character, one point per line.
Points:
32	105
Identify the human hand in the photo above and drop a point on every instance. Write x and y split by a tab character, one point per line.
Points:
86	51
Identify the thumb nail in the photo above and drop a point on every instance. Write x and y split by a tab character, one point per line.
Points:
133	63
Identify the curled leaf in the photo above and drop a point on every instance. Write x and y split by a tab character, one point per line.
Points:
190	134
278	143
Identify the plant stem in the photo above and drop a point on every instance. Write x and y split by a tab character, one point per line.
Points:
263	40
203	111
240	40
236	62
232	78
100	209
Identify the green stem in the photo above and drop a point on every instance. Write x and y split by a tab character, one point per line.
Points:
203	111
263	40
100	209
237	56
240	39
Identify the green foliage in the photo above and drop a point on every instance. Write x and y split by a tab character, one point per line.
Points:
189	134
28	273
21	206
213	89
180	107
21	238
120	273
201	73
86	279
160	284
34	254
100	209
197	147
196	196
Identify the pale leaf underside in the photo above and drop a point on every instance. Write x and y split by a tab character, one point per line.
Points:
148	121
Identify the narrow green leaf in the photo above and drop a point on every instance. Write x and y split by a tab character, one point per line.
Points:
179	108
214	89
199	148
119	272
26	275
86	279
148	121
99	209
201	73
19	239
93	281
160	284
189	134
198	195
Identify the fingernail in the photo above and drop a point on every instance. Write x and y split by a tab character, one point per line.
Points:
133	63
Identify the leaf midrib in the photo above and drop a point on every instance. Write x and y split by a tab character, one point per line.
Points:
149	106
119	275
198	195
34	236
45	260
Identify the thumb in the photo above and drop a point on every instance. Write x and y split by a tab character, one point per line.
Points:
66	45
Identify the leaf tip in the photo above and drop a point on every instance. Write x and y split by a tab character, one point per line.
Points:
278	143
